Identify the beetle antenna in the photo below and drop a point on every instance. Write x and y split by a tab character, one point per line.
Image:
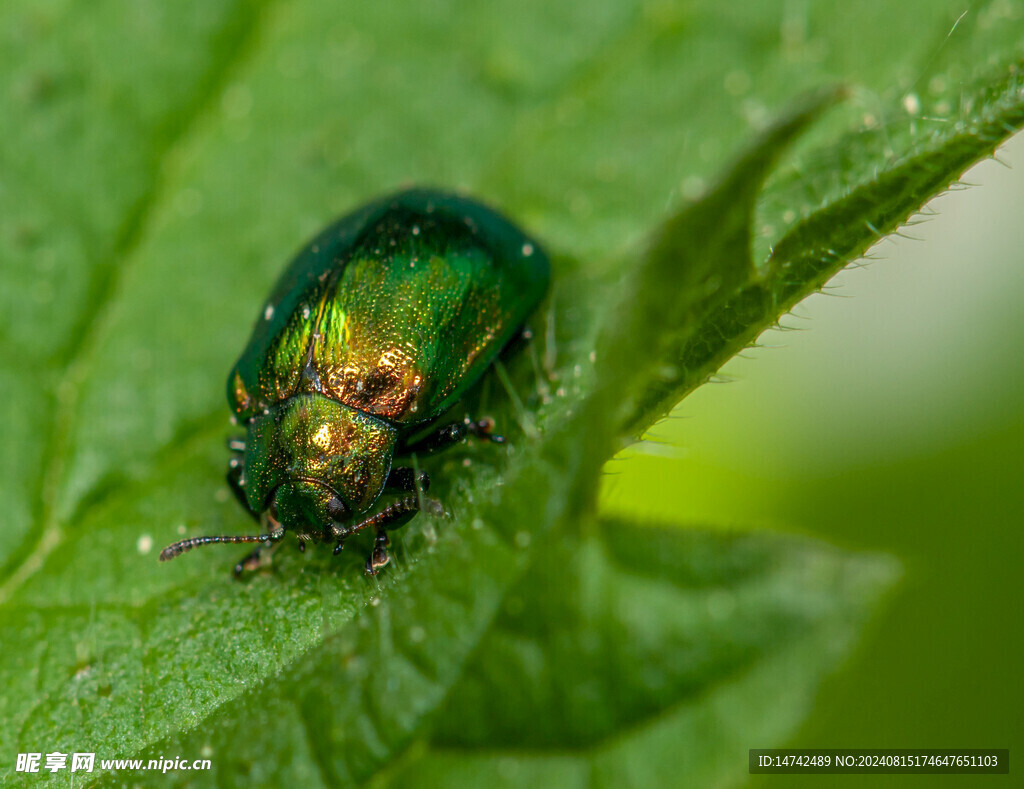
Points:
182	546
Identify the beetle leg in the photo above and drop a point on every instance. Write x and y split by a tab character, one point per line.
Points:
272	541
396	514
252	561
236	467
409	480
454	433
379	557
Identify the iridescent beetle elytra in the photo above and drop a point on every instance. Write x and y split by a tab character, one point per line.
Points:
376	329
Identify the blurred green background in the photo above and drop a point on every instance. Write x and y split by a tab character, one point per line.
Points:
892	419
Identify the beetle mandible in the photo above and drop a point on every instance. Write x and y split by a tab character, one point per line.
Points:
377	328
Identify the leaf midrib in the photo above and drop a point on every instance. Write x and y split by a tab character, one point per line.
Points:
75	359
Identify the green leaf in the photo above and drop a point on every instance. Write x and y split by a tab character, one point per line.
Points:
619	646
81	170
727	298
704	252
165	162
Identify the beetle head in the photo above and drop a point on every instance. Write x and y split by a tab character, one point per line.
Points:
315	460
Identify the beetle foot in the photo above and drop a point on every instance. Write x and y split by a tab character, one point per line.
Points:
249	562
379	558
482	428
339	547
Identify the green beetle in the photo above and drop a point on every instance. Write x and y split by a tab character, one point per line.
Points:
376	329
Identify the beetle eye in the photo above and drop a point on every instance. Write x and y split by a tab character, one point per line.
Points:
336	509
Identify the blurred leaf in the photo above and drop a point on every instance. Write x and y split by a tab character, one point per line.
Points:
167	159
